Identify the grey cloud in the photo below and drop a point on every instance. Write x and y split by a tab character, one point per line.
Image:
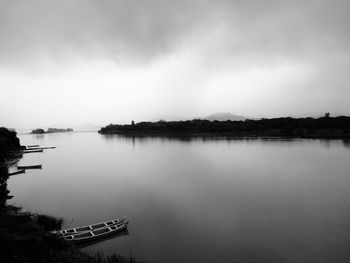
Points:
112	28
142	30
292	29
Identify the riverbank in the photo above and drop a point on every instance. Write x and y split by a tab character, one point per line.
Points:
26	237
315	128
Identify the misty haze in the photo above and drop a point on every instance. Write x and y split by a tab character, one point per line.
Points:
174	131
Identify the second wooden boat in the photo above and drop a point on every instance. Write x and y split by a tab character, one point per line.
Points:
22	171
38	166
33	151
40	148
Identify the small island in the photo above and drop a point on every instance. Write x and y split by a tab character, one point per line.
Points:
50	130
324	127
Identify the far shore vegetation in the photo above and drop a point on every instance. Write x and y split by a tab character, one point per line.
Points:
326	127
50	130
25	237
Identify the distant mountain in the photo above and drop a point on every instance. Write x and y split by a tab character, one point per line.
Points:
224	116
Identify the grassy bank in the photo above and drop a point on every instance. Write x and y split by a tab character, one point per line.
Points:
26	237
326	127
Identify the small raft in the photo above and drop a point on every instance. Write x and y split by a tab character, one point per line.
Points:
38	166
76	230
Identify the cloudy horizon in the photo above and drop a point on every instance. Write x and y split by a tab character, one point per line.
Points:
99	62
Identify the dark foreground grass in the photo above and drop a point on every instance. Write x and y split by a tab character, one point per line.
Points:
25	237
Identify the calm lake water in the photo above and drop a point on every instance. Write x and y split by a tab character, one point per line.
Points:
212	200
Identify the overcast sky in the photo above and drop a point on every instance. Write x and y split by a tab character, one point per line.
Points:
74	62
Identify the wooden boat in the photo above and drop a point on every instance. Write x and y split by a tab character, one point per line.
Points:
50	147
38	166
34	151
96	234
34	145
76	230
22	171
40	148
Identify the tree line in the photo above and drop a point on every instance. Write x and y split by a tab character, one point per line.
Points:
287	126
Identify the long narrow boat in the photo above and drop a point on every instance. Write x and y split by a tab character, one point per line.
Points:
40	148
87	228
96	234
38	166
22	171
34	151
34	145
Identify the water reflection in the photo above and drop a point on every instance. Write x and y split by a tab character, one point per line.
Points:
261	140
39	136
198	199
94	242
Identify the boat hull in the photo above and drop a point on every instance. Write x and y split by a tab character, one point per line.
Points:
33	146
33	151
39	166
97	234
87	228
18	172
